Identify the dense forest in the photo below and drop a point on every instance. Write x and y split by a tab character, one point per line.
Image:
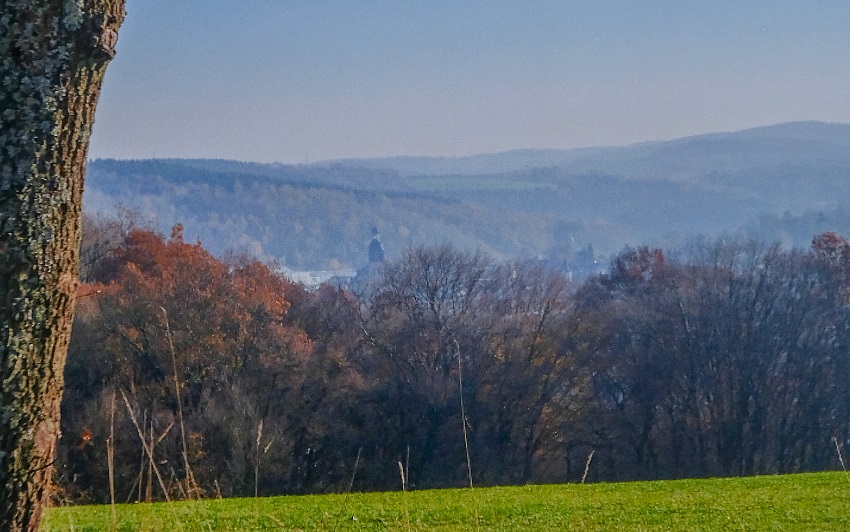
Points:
783	182
197	376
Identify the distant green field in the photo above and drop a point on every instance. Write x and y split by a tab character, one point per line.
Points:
794	502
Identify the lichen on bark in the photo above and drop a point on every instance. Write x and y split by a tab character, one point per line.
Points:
53	54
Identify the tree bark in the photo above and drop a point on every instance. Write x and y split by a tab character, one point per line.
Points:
53	54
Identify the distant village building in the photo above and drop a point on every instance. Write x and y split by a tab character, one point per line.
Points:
312	279
585	264
341	278
376	249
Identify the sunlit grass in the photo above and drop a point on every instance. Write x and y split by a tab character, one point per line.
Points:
794	502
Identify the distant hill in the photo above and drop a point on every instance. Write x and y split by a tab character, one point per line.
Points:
777	182
300	220
792	142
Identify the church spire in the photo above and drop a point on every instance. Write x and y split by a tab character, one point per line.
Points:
376	249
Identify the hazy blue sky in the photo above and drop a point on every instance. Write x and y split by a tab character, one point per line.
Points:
291	81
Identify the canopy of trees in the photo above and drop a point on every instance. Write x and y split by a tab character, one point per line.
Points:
731	362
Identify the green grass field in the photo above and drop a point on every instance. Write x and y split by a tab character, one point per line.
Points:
794	502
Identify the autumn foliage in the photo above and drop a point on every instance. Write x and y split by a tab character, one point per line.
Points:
228	325
728	361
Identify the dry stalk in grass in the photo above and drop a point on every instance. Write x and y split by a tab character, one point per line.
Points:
110	461
465	438
257	472
174	480
354	471
257	459
587	466
140	478
463	415
142	459
407	464
344	497
148	449
138	482
840	458
404	494
154	441
149	490
403	480
190	477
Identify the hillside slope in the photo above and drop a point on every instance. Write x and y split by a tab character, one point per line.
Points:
772	180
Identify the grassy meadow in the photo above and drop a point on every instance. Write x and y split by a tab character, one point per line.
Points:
816	501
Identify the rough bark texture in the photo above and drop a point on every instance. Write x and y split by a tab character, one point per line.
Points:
53	54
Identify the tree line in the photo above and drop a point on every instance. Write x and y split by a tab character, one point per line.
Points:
194	376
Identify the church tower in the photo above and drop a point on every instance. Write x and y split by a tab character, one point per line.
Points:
376	249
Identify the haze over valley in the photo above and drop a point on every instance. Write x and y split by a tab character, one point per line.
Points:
785	182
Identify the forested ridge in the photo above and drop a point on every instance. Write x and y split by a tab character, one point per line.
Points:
784	182
730	360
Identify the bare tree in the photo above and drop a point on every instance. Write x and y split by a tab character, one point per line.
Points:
53	55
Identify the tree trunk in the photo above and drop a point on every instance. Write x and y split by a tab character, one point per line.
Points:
53	54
